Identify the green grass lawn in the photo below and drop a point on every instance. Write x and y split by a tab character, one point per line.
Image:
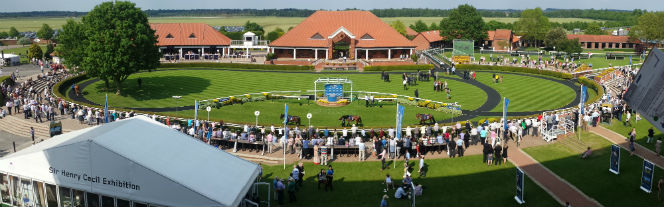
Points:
321	116
592	175
449	182
528	93
22	51
598	61
641	131
159	87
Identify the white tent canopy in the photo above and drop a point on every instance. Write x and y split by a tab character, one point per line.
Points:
137	159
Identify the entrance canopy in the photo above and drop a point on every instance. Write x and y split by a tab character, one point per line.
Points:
137	159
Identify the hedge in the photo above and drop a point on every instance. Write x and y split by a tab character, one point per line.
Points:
398	67
514	69
592	85
237	65
2	80
60	88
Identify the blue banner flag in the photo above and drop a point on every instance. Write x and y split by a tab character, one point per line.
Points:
519	186
400	111
584	93
630	60
507	102
647	176
614	166
106	110
195	115
285	121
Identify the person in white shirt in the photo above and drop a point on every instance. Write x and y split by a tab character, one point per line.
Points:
409	132
344	133
390	132
362	150
436	127
353	130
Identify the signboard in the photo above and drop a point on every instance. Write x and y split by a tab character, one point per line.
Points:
647	176
461	59
400	111
507	103
333	91
519	186
584	91
614	165
208	109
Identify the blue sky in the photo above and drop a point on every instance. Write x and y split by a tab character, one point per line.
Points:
86	5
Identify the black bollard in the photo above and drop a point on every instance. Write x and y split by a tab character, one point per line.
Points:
14	143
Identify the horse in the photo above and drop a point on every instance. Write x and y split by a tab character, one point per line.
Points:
291	119
426	117
346	120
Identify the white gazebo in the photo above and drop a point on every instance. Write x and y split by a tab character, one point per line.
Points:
134	162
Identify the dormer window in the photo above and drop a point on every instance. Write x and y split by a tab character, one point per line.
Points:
169	36
317	36
366	37
192	35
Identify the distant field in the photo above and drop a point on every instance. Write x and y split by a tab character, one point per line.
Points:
268	23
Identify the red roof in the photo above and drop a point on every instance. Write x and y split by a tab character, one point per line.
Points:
503	34
172	34
491	34
357	23
410	32
432	36
599	38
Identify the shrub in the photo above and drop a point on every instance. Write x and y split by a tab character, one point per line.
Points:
398	67
514	69
236	66
60	88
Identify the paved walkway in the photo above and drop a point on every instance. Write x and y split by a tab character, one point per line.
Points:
557	187
622	141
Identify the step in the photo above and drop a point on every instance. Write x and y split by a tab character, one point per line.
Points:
250	156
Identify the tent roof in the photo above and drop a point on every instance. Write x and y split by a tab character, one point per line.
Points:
170	168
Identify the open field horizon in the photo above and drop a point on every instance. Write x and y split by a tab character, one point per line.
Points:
269	23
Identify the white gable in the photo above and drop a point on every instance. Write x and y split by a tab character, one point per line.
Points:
344	30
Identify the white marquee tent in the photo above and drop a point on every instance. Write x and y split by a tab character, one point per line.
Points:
136	159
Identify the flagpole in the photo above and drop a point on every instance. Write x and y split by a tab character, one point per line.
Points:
581	105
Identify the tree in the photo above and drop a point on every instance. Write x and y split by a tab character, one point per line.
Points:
4	35
232	35
273	35
35	52
13	32
116	41
399	27
532	25
594	29
24	41
254	27
554	37
493	25
45	33
464	22
433	26
74	42
650	27
419	26
49	50
570	46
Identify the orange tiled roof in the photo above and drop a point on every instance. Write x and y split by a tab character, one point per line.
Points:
410	32
491	34
516	39
599	38
358	23
502	34
432	36
179	34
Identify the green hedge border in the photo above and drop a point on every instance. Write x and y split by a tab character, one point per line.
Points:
60	88
514	69
238	66
2	80
398	67
592	85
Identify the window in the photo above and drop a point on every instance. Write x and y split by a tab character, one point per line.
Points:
65	197
136	204
38	188
51	195
93	200
123	203
107	201
79	199
192	35
317	36
366	37
4	188
169	36
247	39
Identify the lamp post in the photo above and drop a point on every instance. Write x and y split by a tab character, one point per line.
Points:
257	113
309	117
208	109
176	103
